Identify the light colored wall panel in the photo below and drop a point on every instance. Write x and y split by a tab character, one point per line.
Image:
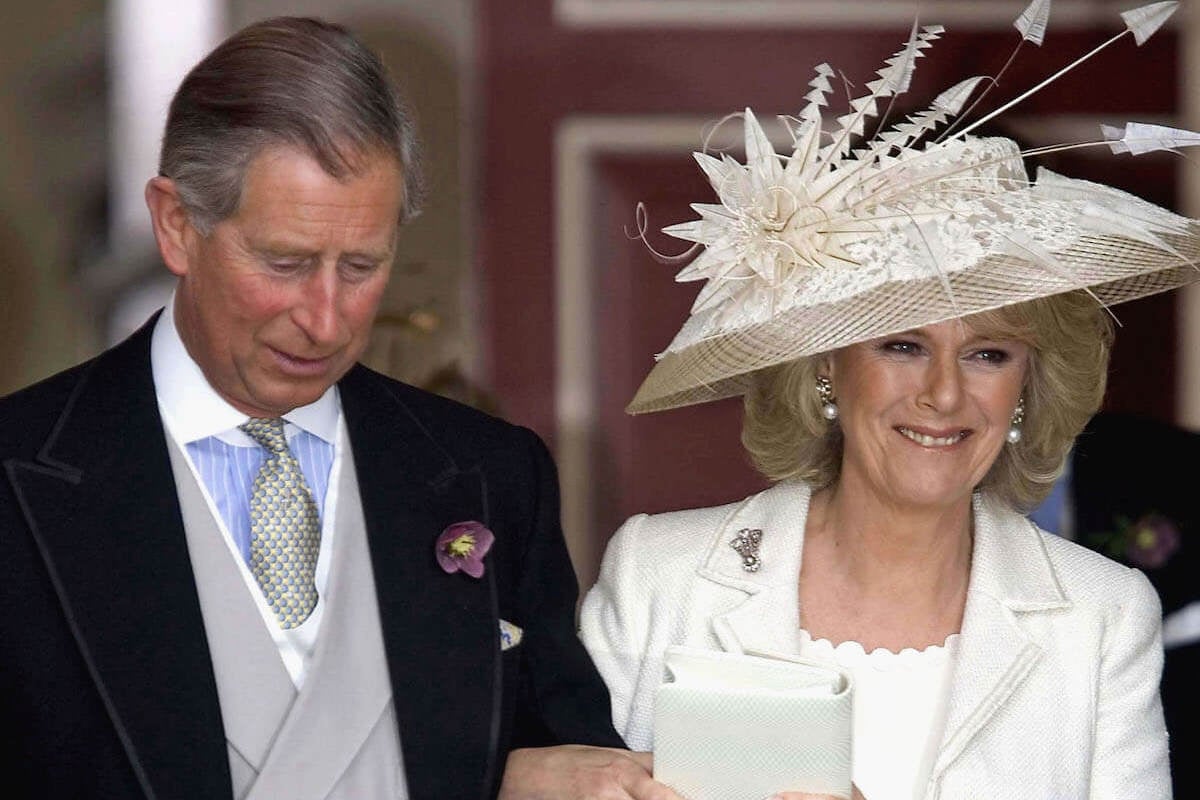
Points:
860	14
1189	299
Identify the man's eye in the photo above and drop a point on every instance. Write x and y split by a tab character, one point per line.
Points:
359	269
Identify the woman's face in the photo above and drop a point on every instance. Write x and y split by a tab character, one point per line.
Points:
924	413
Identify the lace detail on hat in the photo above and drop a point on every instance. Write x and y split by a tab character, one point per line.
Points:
846	237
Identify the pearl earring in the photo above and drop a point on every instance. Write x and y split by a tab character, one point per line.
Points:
829	409
1018	417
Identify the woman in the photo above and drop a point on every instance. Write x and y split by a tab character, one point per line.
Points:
919	337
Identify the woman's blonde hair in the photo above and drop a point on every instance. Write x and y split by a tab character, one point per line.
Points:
1070	337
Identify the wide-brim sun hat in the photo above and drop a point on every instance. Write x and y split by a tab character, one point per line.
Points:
844	239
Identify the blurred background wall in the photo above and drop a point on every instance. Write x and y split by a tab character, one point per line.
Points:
546	122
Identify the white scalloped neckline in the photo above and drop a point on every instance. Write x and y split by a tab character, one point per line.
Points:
851	653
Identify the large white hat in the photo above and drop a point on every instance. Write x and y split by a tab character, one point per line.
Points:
831	244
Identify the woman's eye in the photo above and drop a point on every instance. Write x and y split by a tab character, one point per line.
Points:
901	347
992	356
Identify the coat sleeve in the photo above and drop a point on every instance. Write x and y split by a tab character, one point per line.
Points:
1130	758
562	698
614	627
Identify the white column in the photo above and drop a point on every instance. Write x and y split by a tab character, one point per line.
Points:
152	45
1188	366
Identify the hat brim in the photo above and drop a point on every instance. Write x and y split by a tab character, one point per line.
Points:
1116	269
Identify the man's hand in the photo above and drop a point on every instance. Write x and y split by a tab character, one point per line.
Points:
574	772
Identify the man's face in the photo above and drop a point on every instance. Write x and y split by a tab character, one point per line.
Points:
277	302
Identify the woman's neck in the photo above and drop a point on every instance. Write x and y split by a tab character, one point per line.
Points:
875	534
884	574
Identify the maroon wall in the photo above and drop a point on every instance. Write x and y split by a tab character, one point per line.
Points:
536	73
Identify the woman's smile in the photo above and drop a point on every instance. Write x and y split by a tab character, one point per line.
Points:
926	439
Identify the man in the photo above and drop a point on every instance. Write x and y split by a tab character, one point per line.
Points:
233	562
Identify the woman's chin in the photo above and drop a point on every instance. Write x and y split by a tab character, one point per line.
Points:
930	494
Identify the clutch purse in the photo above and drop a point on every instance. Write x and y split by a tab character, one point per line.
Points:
730	726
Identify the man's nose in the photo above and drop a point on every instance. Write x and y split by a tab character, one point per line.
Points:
317	313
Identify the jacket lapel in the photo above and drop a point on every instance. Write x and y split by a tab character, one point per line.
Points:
769	619
1011	576
101	504
440	631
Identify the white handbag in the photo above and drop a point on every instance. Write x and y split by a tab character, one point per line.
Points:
730	726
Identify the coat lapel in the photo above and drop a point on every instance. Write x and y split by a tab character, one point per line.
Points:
101	504
440	630
1011	576
768	621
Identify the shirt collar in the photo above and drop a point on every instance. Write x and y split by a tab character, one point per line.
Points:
193	410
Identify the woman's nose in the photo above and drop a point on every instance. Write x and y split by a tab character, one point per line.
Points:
943	384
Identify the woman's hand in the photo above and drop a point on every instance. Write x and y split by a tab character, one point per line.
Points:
855	794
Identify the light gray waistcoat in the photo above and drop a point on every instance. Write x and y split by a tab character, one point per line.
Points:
335	739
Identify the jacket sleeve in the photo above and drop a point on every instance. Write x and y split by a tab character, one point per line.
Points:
562	698
1130	757
614	628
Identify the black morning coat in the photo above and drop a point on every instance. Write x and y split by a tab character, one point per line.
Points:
106	686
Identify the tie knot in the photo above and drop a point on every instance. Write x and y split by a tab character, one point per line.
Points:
267	432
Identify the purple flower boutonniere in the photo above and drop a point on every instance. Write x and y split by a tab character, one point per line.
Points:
1148	542
462	546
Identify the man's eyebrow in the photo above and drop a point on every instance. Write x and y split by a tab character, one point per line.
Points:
278	249
369	255
281	250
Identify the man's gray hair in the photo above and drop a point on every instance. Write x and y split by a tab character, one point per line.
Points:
294	81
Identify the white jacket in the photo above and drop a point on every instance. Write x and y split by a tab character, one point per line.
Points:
1055	691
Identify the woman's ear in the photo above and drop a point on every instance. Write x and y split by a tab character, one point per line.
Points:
824	364
171	223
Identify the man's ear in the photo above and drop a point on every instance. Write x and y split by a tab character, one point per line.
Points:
172	226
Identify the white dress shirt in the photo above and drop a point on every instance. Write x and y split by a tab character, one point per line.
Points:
194	414
900	702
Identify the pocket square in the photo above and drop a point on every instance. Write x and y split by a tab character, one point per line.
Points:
510	635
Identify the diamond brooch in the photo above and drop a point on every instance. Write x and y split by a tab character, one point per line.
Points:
746	545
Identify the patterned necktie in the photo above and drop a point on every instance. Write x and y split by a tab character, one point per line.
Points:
285	531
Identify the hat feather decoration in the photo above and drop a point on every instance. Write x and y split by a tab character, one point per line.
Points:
845	237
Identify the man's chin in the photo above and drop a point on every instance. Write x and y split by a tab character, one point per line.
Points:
301	397
280	398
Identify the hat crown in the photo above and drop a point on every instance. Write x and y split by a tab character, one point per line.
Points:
845	237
